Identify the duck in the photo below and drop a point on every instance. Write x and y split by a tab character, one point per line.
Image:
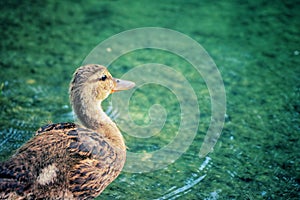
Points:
71	160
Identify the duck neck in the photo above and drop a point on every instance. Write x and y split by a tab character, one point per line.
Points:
91	115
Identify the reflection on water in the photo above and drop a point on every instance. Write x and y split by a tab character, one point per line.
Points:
11	134
174	192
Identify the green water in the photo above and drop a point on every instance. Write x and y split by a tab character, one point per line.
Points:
255	46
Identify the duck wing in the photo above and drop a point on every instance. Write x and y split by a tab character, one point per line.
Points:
61	161
99	164
35	164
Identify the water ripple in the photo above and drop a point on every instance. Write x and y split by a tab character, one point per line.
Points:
173	194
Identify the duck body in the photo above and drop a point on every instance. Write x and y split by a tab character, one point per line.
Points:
66	160
72	163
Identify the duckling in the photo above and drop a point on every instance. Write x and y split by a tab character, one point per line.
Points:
68	160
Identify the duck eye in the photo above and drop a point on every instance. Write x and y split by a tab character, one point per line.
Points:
103	78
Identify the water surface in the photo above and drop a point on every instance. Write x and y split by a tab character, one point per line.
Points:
255	46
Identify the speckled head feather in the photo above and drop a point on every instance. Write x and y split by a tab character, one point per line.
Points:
94	79
82	74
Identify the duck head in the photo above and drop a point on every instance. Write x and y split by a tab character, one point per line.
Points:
96	82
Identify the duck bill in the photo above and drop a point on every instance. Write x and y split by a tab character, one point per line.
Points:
122	85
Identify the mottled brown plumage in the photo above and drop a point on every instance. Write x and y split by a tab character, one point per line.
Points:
66	160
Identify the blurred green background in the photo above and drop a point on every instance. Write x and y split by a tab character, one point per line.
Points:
256	46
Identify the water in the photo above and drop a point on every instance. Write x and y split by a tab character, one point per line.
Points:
255	46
